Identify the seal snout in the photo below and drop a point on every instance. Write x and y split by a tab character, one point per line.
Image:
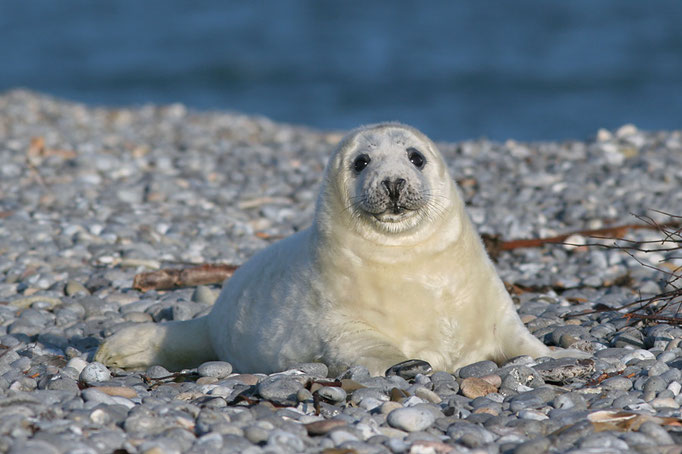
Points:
394	188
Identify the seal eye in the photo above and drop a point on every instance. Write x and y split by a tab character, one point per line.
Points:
416	158
361	162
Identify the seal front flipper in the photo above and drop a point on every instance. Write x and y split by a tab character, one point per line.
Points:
173	345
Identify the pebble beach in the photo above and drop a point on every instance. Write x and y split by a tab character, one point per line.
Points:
90	197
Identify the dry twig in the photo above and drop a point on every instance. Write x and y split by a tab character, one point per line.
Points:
167	279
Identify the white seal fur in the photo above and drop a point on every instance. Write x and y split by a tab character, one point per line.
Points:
391	269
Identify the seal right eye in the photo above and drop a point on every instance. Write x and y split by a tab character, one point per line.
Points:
361	162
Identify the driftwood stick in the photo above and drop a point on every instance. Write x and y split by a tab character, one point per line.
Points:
167	279
604	233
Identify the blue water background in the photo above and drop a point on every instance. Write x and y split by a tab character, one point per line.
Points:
529	70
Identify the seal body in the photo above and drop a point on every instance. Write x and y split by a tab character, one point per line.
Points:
391	269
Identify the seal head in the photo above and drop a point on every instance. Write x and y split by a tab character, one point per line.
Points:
388	184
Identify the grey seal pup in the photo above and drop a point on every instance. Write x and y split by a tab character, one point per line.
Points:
390	270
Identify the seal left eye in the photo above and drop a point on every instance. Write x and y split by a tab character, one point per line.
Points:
416	158
361	162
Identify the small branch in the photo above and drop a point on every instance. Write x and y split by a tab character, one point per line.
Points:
604	233
656	318
167	279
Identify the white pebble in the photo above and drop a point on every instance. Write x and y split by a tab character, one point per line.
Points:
77	363
410	419
94	373
675	387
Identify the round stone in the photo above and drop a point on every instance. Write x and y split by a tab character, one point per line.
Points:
216	369
411	419
474	387
332	393
94	373
157	372
281	390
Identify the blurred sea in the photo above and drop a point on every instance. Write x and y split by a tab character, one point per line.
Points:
529	70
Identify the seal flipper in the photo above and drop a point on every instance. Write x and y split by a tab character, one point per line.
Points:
173	345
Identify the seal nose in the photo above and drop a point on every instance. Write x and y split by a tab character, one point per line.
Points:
394	188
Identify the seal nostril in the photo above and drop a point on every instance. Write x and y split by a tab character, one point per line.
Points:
387	185
394	187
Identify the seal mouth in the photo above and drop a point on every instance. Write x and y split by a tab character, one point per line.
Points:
393	214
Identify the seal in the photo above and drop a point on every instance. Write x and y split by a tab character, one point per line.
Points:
391	270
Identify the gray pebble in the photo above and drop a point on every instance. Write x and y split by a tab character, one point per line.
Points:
410	419
478	369
619	383
216	369
657	433
471	435
280	389
156	372
286	441
333	394
604	441
539	445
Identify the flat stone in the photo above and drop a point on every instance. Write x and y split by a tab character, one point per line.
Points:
323	427
333	394
473	387
471	435
216	369
121	391
619	383
409	369
478	369
280	389
410	419
564	369
493	379
75	287
427	395
157	372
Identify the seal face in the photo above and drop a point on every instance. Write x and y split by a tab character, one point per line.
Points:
391	270
392	191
